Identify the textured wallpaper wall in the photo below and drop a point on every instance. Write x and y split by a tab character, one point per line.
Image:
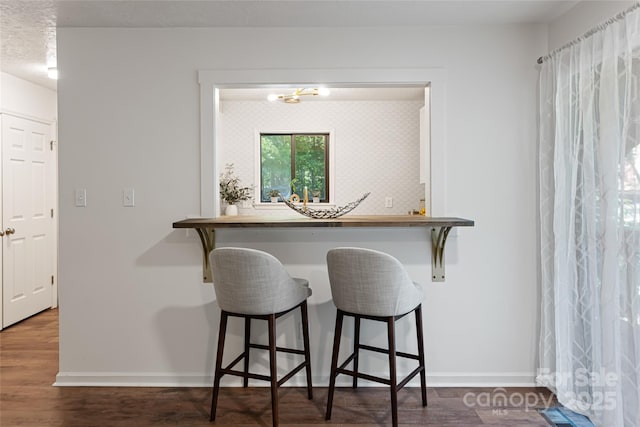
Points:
376	146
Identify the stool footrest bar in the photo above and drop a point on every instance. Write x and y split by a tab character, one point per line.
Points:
281	349
346	362
385	351
410	377
235	361
292	373
242	374
363	376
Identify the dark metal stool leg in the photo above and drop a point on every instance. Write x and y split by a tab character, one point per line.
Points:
356	348
423	375
247	341
218	374
334	362
273	369
307	351
392	371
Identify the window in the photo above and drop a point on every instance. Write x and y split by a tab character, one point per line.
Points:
294	160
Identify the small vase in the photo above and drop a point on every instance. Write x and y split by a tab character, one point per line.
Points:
231	210
274	200
316	200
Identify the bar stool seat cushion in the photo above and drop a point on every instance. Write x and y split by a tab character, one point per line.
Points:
372	283
272	290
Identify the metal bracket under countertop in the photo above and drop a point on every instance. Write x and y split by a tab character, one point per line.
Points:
208	240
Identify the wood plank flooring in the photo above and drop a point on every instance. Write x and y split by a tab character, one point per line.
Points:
29	363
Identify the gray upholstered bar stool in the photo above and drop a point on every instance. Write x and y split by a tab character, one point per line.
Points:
368	284
252	284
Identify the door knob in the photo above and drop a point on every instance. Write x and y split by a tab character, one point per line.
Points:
9	231
1	233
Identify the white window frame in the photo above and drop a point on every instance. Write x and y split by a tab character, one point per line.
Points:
211	81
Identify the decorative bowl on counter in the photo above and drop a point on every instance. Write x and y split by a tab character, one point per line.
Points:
324	213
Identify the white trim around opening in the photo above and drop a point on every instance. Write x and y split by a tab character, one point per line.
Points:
211	81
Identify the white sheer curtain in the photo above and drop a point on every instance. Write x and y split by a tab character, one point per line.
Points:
590	223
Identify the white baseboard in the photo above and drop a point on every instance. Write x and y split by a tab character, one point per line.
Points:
476	379
134	379
131	379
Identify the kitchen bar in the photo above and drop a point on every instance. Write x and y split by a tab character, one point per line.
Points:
440	228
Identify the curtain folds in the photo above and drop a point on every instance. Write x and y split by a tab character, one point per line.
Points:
590	224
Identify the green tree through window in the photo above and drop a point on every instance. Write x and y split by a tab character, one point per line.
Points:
304	157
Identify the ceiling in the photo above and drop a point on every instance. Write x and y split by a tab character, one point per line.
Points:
28	27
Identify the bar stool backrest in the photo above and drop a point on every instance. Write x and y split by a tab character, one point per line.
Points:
373	283
249	281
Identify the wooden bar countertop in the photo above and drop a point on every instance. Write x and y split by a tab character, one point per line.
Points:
243	221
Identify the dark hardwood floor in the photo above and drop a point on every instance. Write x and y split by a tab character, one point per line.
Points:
29	363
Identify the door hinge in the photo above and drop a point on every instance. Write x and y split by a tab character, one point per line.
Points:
51	144
51	280
51	213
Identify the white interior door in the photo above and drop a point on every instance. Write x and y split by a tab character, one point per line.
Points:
27	224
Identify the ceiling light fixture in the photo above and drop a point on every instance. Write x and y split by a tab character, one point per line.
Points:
294	97
52	72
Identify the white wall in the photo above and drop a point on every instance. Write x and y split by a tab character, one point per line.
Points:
375	146
133	308
582	18
26	98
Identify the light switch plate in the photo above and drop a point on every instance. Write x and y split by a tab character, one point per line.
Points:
80	197
128	199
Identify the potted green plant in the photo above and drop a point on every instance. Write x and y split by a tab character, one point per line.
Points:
231	191
274	194
315	194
